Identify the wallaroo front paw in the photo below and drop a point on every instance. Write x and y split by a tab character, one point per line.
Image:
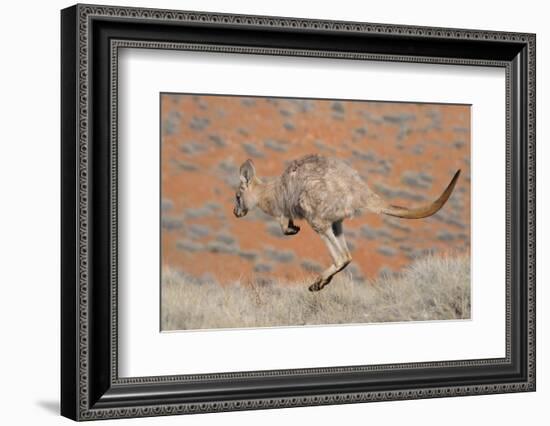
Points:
317	285
292	230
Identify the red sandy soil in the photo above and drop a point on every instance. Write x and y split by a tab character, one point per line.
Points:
202	148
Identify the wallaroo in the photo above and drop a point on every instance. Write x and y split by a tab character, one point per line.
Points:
323	192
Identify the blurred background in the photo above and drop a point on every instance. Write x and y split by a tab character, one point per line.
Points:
407	152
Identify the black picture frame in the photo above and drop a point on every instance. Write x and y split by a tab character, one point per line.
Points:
90	386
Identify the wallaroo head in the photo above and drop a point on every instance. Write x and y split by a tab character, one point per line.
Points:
245	197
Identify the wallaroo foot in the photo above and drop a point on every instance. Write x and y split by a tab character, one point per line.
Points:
292	230
319	284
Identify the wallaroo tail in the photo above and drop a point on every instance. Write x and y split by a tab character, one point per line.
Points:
323	192
423	211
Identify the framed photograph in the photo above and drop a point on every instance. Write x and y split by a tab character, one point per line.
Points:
263	212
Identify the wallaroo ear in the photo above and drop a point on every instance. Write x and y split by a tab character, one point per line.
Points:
247	171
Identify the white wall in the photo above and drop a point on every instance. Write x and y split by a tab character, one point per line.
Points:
29	225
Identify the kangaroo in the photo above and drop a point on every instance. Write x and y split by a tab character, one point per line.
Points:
323	192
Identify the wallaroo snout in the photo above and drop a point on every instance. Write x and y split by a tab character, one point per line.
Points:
323	192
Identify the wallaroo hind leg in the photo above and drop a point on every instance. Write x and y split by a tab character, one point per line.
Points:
338	229
336	244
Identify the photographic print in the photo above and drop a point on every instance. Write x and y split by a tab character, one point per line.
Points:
296	212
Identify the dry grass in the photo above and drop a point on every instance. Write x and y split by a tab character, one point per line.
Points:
432	288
